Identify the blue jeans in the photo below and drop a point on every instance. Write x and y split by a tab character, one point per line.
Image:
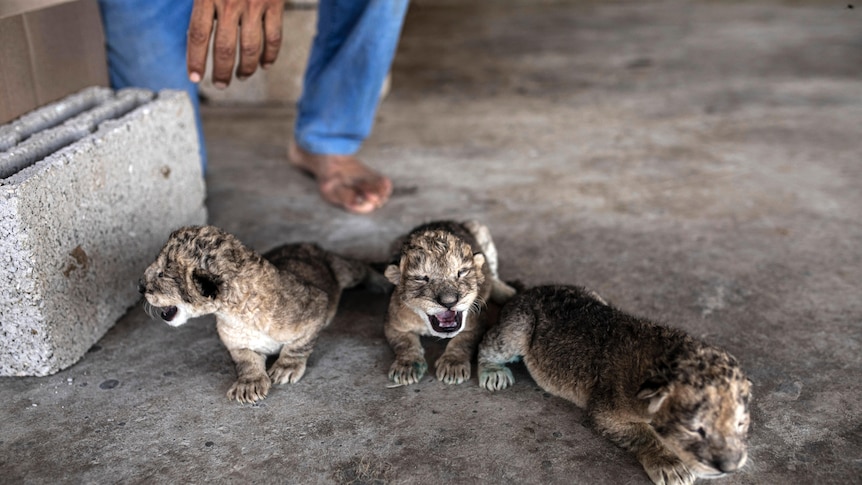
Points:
350	57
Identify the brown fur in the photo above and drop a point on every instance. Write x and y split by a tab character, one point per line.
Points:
264	305
679	404
442	267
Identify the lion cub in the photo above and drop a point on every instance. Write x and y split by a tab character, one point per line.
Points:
679	404
444	274
264	305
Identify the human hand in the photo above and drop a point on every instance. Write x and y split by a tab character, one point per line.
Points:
257	23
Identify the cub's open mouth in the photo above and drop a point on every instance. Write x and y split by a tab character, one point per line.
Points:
446	322
169	312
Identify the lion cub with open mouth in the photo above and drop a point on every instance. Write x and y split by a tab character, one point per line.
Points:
264	305
445	273
679	404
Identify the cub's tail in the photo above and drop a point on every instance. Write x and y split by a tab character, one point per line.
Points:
351	272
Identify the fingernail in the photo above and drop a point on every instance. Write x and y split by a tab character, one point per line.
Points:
266	65
241	78
195	77
220	85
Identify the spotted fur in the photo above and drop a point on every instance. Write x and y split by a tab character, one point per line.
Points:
679	404
444	273
264	305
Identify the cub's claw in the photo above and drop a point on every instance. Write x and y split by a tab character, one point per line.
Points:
407	372
283	372
249	390
667	470
495	377
452	371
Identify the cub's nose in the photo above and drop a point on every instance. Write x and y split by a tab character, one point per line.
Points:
448	299
141	287
730	462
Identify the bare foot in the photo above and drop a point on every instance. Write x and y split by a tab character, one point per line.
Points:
344	180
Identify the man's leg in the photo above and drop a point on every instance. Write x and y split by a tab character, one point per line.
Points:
146	42
350	58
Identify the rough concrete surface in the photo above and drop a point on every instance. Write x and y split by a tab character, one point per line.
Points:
694	162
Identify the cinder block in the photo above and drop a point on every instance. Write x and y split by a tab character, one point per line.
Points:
93	186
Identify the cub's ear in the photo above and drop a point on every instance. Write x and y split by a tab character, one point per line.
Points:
393	274
207	284
479	260
655	389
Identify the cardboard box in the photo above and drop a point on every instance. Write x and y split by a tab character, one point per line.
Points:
48	50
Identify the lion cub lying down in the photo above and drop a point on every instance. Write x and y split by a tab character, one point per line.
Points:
679	404
264	305
444	274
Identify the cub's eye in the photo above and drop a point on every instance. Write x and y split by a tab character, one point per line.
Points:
701	432
422	279
161	275
462	273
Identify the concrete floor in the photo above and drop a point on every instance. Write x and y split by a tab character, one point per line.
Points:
694	162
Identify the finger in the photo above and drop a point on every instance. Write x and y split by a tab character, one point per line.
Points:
250	47
200	28
272	18
224	44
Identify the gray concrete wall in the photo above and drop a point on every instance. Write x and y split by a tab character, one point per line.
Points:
282	82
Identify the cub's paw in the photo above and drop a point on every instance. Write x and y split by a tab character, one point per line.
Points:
452	371
596	297
249	389
283	371
494	377
667	470
405	371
